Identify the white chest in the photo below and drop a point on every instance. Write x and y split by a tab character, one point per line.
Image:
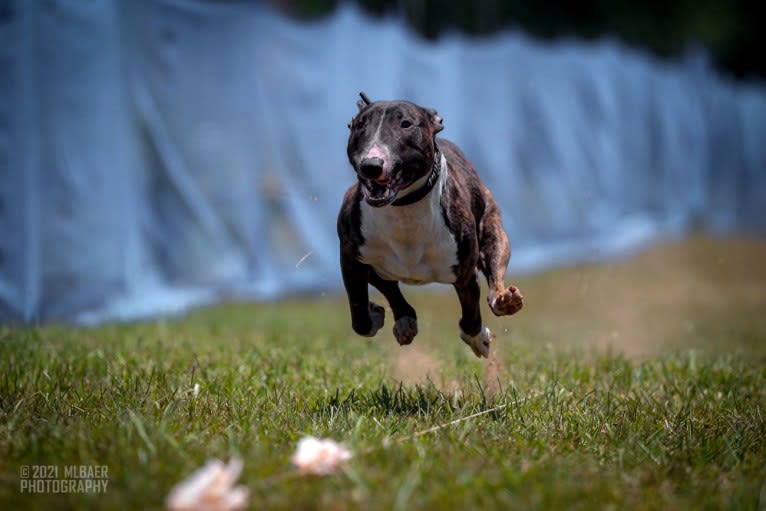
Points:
411	244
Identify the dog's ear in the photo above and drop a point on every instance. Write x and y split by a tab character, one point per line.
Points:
436	119
364	102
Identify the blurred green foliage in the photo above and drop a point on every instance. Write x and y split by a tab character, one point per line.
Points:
731	30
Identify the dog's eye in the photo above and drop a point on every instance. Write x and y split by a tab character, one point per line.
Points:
406	124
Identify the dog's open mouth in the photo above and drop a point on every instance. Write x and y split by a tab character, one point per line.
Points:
379	194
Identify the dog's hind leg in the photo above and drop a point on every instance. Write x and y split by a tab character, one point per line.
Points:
472	332
406	325
495	252
366	317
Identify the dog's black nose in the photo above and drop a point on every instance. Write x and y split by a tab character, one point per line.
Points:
371	168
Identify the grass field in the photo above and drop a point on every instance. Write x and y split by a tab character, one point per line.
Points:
634	385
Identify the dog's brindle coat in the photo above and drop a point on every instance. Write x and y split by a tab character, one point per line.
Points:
418	213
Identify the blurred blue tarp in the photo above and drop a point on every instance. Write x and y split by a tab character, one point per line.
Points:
161	154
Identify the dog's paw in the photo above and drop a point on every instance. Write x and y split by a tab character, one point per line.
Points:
405	330
509	302
480	342
369	326
377	317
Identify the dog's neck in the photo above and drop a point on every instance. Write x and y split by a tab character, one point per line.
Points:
424	185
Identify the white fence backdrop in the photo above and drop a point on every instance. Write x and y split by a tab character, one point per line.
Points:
161	154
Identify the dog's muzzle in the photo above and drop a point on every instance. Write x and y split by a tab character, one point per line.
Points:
379	193
379	188
371	168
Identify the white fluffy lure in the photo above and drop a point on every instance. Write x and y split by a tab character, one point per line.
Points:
210	488
319	457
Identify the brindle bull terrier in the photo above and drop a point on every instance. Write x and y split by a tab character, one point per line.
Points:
419	213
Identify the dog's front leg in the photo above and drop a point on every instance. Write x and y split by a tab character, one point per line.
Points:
472	332
366	317
406	325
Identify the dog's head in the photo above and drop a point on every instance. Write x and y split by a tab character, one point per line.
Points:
391	145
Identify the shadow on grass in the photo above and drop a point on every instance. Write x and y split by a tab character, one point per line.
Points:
421	400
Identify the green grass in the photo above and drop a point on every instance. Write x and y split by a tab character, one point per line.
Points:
633	385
